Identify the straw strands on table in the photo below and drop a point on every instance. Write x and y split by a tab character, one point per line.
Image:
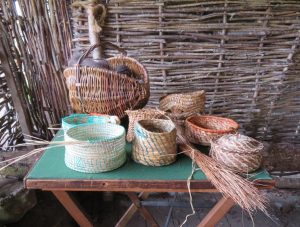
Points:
34	141
238	152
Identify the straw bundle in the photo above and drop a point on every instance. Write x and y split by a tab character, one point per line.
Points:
103	151
183	105
238	152
240	190
206	128
142	114
155	142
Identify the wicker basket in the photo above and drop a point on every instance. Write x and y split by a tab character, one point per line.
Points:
142	114
204	129
94	148
155	142
106	91
181	106
238	152
78	119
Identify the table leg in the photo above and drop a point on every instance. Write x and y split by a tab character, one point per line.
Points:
137	207
73	208
131	211
217	212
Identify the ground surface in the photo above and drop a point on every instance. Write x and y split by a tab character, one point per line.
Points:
284	206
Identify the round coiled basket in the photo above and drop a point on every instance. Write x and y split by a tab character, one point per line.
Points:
155	142
238	152
95	148
202	129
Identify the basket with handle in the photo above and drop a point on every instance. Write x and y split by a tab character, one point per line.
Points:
202	129
105	91
155	142
95	148
141	114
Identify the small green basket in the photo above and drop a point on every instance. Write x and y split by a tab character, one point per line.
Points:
95	148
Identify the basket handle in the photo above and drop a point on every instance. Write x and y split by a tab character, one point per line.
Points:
102	44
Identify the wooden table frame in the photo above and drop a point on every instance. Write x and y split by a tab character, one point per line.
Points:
62	187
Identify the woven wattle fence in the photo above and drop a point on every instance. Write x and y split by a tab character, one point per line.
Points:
244	54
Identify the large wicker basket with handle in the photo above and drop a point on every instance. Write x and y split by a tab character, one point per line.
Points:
105	91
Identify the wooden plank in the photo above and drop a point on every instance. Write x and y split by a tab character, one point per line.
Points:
130	185
131	211
16	94
73	208
217	212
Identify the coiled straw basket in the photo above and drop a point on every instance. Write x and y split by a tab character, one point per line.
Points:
98	90
94	148
238	152
142	114
202	129
183	105
155	142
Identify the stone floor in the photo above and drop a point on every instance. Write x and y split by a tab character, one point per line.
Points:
284	207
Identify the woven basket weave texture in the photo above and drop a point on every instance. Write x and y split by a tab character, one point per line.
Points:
155	142
94	148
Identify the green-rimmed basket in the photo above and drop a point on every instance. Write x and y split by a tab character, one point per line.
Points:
78	119
155	142
95	148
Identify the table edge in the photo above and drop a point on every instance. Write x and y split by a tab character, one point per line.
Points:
130	185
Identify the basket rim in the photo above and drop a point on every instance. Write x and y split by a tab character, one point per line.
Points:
122	133
157	133
234	123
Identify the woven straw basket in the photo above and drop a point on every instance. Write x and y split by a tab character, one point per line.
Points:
202	129
94	148
78	119
105	91
238	152
181	106
142	114
155	142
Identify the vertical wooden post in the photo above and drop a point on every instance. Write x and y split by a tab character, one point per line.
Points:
16	94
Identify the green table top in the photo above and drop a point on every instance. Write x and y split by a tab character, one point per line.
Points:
51	166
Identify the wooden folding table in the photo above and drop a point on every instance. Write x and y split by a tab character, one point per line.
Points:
51	174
